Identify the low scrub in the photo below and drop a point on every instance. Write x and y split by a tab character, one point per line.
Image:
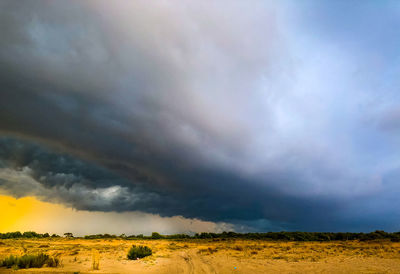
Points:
139	252
30	261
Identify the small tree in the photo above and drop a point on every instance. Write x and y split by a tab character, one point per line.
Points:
68	235
156	235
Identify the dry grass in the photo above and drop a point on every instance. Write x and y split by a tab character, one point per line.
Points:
210	256
95	260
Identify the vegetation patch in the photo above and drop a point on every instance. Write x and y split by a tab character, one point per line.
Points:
208	250
30	261
224	236
139	252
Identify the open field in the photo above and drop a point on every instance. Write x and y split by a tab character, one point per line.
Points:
210	256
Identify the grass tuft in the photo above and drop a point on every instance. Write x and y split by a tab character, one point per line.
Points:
95	260
30	261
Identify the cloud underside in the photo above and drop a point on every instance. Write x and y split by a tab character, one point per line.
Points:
27	169
213	111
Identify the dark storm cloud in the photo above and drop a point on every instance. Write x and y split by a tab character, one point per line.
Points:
212	111
28	169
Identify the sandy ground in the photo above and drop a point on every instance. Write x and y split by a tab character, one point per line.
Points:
203	256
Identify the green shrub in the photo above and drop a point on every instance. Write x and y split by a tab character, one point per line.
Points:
30	261
139	252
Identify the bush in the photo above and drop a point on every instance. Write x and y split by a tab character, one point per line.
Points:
139	252
30	261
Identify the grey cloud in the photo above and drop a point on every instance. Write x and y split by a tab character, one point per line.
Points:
390	119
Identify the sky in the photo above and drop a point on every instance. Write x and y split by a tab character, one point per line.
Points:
141	116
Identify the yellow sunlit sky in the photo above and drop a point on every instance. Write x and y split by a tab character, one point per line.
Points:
14	210
30	214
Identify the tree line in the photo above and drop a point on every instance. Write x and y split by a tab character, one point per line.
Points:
274	236
27	234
